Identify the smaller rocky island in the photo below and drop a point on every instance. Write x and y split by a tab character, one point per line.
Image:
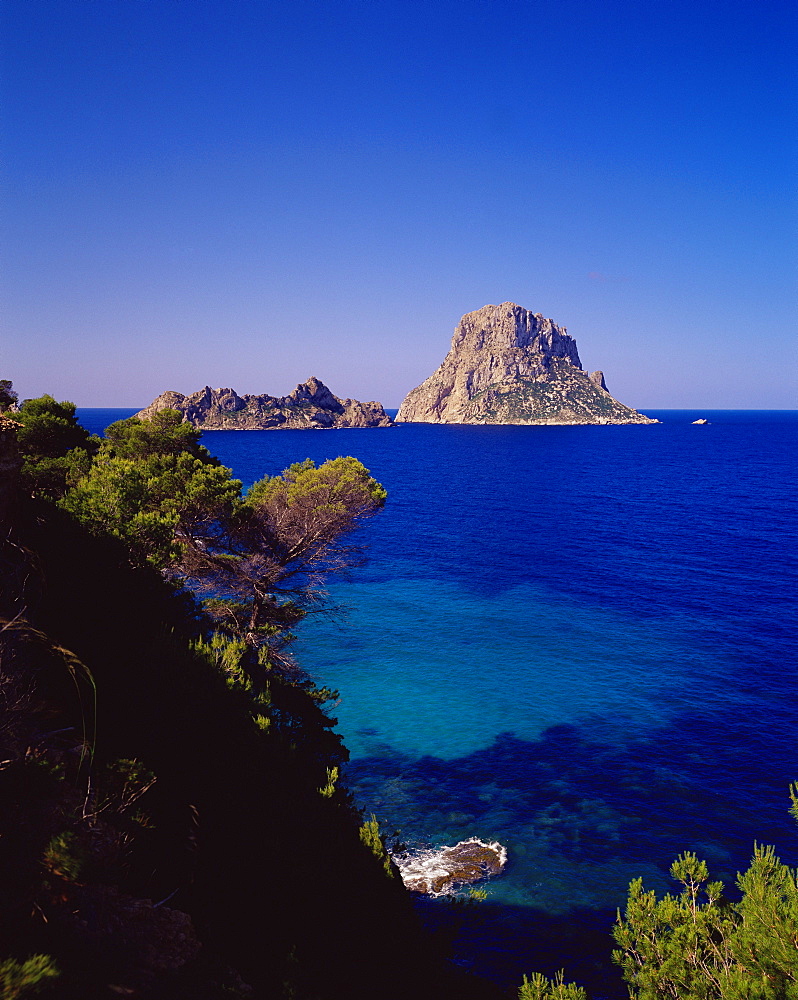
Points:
311	406
507	365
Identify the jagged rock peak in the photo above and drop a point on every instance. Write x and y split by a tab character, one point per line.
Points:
507	365
311	406
316	392
511	328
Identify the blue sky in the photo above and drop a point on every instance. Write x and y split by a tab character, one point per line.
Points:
245	194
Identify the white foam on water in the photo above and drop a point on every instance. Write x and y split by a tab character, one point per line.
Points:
441	871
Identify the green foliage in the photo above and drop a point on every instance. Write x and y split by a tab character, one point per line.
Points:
370	836
231	657
154	503
153	486
466	902
260	560
541	988
165	433
339	486
271	557
55	448
114	498
53	477
299	522
766	936
794	800
64	856
49	429
697	946
8	396
328	790
226	654
24	979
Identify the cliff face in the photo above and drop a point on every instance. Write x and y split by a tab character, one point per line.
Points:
310	406
507	365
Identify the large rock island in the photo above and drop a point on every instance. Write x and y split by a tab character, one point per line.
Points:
507	365
311	406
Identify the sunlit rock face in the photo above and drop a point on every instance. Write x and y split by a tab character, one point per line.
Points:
311	406
507	365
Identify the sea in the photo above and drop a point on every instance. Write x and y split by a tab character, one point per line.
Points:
577	642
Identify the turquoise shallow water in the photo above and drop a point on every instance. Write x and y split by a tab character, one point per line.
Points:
578	641
522	660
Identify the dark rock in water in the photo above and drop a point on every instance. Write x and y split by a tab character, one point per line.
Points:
438	872
311	406
507	365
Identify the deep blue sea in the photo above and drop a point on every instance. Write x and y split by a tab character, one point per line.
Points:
578	641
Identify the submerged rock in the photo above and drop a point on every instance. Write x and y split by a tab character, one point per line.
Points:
442	871
311	406
507	365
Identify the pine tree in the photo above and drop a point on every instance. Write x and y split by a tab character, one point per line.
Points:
698	944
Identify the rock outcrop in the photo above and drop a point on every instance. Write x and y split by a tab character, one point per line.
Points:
507	365
447	869
311	406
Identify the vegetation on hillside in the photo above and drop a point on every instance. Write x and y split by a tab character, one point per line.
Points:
700	945
171	823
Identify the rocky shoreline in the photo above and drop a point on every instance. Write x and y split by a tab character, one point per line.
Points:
311	406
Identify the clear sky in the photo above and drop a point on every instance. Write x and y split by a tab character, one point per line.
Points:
245	193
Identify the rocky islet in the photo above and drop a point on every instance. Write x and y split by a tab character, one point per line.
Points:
311	406
507	365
